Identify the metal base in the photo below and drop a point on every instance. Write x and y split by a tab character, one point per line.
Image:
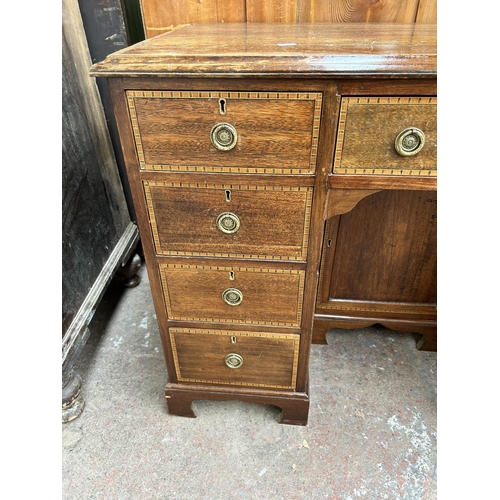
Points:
72	402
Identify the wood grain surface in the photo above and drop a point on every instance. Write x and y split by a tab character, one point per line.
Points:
277	132
269	360
384	251
331	11
319	49
160	16
274	219
271	296
427	11
367	130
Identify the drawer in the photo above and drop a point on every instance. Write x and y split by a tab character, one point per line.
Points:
221	293
369	127
273	132
235	358
226	220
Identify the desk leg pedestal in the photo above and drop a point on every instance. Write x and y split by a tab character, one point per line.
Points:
294	405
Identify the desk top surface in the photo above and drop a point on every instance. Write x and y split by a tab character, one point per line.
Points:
280	50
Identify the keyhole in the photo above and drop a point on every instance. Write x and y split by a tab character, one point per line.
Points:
228	195
233	339
329	243
231	275
222	106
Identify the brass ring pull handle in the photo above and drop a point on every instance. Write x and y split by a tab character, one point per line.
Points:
232	296
223	136
409	141
233	360
228	222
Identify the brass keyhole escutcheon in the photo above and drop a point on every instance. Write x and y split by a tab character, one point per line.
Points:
224	136
233	360
228	222
409	141
222	106
232	296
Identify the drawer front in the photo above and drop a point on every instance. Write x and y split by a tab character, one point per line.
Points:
240	221
369	127
235	358
245	295
274	133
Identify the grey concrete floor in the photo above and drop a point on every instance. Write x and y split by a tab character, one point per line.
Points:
372	431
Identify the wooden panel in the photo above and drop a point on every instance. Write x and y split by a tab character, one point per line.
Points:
385	87
277	132
274	220
383	250
368	127
160	16
269	360
427	11
331	11
357	182
270	296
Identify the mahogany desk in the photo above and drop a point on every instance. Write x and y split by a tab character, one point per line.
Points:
284	180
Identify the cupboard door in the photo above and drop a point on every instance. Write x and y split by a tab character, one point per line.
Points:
381	256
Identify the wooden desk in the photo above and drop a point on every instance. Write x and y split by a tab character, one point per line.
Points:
271	198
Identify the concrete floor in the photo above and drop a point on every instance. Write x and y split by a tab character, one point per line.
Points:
371	431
